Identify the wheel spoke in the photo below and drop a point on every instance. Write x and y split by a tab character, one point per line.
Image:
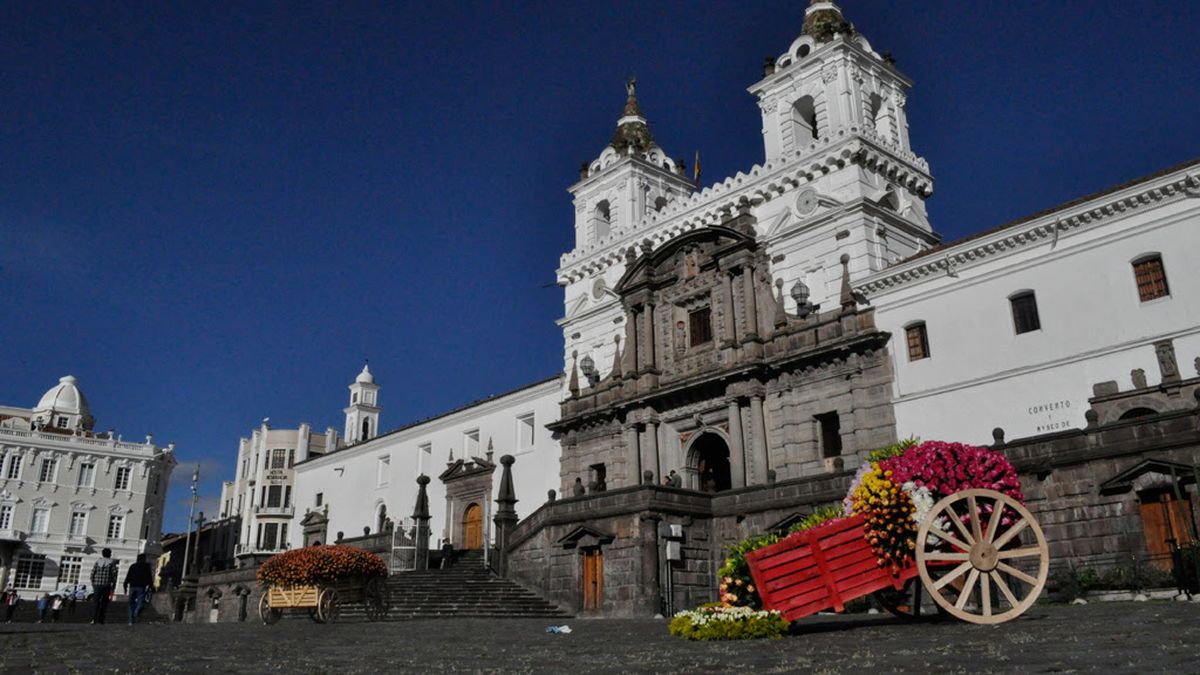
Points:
937	555
965	594
1012	532
973	509
961	528
950	539
994	523
1005	590
985	593
951	576
1012	571
1020	553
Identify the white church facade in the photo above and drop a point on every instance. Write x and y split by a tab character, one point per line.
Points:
68	492
1013	327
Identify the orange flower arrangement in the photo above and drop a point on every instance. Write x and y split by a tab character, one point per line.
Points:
320	564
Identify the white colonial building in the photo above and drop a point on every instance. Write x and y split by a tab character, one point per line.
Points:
66	493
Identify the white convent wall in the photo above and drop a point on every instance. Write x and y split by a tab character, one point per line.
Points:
1094	328
355	480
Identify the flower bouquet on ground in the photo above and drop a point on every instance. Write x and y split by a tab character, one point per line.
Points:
316	565
721	622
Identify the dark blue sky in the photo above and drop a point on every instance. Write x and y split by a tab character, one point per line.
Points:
211	213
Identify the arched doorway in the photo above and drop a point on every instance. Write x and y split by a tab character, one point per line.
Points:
710	457
473	527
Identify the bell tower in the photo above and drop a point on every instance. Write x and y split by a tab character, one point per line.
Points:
632	179
362	415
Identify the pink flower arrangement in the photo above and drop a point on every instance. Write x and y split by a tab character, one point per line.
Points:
946	468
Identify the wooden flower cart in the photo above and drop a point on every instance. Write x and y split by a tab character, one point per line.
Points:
970	558
323	601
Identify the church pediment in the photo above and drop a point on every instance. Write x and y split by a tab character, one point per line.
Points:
585	537
464	468
683	257
1150	474
314	519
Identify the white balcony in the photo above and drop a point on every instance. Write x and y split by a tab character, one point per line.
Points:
281	511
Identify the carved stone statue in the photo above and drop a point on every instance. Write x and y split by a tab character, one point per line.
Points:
1167	365
1139	378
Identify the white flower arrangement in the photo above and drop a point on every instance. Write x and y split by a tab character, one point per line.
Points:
704	615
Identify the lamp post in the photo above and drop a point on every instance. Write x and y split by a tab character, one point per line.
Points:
187	543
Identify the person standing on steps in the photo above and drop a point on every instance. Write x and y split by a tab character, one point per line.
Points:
137	586
104	582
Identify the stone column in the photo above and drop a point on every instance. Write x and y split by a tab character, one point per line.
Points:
633	462
506	514
750	304
730	332
651	596
737	445
649	358
758	426
631	365
651	463
421	515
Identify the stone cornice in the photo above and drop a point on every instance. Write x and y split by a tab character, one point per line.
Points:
716	203
1178	183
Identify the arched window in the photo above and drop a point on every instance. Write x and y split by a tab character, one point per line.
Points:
1138	412
803	51
804	121
366	429
601	220
876	115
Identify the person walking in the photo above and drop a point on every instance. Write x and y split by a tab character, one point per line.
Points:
10	599
137	586
104	581
56	605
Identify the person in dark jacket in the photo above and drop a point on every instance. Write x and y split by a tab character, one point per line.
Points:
138	580
104	582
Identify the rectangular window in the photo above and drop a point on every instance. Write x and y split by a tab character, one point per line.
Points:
1151	278
1025	312
30	567
918	342
78	523
291	458
6	515
245	466
116	526
830	428
62	423
320	498
287	496
278	458
41	520
122	480
274	496
14	466
471	443
384	471
525	431
283	542
270	536
700	326
69	569
87	475
49	468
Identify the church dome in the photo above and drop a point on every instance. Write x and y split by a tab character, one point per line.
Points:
64	397
365	377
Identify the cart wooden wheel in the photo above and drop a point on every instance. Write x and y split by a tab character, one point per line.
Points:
312	614
976	533
327	606
268	615
377	598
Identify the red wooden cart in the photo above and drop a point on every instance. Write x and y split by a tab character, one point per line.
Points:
969	542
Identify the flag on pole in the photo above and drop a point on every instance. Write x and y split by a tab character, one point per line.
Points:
696	169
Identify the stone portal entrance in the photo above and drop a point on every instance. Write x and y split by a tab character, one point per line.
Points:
710	460
473	527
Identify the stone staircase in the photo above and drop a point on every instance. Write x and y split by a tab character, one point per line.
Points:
466	589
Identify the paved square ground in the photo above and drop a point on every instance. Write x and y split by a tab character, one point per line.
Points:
1109	637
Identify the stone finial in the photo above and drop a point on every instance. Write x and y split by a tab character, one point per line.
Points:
506	498
573	385
998	436
490	451
551	495
847	298
1139	378
577	489
780	314
421	510
648	477
1092	417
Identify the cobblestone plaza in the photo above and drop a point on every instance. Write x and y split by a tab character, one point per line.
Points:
1110	637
